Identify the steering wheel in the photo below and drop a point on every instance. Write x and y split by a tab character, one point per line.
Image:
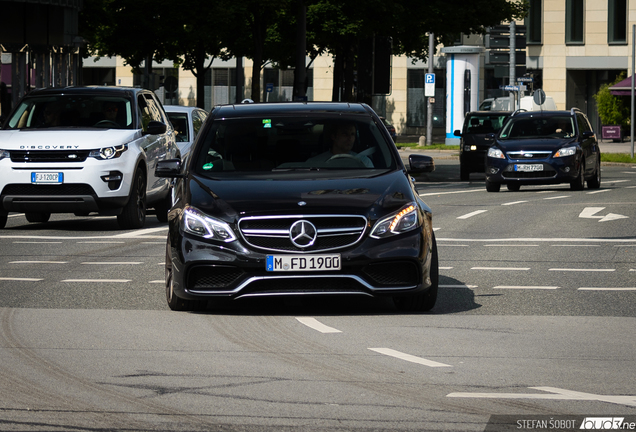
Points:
107	123
345	158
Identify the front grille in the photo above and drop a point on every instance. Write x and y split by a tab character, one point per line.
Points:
66	189
41	156
393	273
304	285
529	155
331	232
213	277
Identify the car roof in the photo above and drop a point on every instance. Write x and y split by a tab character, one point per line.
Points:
87	90
488	112
181	109
543	113
282	108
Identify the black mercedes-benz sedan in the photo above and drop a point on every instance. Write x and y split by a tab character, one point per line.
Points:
542	148
298	199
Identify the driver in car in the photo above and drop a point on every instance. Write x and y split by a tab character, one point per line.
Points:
342	139
110	112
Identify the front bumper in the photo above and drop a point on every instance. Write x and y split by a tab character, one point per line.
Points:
399	265
553	171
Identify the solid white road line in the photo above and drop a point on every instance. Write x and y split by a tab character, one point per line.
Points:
513	203
599	191
38	262
469	215
607	289
20	279
40	242
557	197
313	323
526	287
511	245
581	270
98	280
101	242
502	268
408	357
445	268
112	263
458	286
157	281
453	192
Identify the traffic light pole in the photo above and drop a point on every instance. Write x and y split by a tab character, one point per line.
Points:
513	64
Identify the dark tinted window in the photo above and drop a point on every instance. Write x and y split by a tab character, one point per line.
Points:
539	127
483	124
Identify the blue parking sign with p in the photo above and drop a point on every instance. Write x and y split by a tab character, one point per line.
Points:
430	78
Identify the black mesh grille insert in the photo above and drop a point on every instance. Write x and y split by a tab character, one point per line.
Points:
304	285
548	173
399	273
49	156
67	189
213	277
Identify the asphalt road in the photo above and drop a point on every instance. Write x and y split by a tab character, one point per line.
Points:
535	317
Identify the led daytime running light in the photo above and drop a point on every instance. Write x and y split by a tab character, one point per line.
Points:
399	216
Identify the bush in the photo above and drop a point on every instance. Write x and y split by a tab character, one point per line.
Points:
612	109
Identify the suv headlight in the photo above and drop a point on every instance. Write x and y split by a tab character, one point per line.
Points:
198	223
494	152
108	152
565	151
4	154
405	220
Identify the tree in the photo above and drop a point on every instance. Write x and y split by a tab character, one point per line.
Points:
611	109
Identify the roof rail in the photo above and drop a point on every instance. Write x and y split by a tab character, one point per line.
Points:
518	111
573	109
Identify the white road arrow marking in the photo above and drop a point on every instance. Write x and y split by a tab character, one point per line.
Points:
590	213
555	394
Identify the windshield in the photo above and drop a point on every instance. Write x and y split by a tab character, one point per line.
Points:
72	111
485	123
252	145
539	127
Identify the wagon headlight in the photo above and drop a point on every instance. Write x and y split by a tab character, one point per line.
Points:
198	223
565	151
397	223
4	154
108	152
494	152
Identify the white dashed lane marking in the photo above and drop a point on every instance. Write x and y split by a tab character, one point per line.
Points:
408	357
313	323
469	215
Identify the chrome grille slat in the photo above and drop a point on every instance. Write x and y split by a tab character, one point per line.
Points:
332	232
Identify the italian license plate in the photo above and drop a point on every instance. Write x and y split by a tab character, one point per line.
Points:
529	167
277	263
47	177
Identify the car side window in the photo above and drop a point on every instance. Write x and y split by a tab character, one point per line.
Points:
197	121
584	125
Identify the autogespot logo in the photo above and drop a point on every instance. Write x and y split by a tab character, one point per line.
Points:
303	233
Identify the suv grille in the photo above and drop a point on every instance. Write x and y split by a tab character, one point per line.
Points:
529	155
40	156
328	232
67	189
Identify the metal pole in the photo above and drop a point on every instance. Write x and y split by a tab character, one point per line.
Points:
513	64
631	123
429	105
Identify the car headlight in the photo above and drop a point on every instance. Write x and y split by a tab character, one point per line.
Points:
4	154
198	223
565	151
494	152
108	152
405	220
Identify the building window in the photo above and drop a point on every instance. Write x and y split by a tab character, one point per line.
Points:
617	22
533	22
574	21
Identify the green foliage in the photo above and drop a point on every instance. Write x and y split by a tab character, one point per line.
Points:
612	109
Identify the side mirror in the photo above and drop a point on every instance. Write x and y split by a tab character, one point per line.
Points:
491	136
170	168
457	133
421	164
156	128
587	134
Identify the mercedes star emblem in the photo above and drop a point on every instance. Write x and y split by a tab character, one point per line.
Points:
302	233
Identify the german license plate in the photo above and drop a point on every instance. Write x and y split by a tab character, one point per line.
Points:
529	167
47	177
277	263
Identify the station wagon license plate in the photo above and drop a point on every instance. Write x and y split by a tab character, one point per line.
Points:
327	262
47	177
529	167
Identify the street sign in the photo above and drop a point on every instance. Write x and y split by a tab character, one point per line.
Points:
269	87
429	85
525	79
512	87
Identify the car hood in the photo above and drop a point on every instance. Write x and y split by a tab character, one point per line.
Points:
53	139
230	199
534	144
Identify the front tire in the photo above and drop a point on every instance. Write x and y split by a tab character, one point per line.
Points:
176	303
37	217
579	183
133	215
3	219
422	302
492	186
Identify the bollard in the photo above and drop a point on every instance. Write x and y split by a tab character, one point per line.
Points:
422	141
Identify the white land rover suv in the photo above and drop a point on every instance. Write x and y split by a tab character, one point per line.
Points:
83	150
